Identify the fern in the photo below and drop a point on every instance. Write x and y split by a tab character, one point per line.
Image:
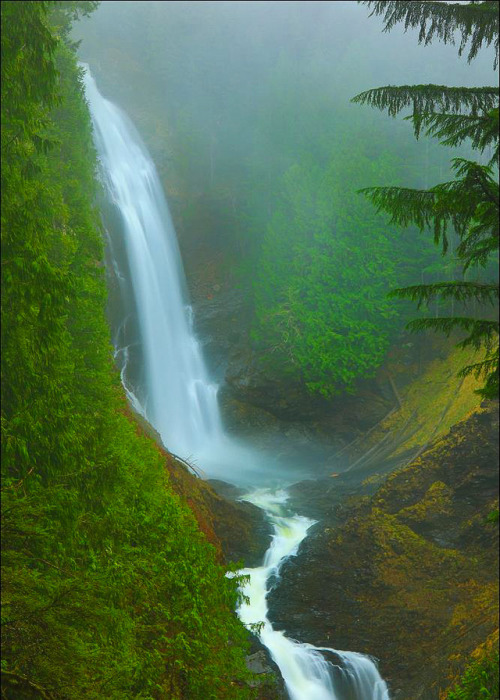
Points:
479	681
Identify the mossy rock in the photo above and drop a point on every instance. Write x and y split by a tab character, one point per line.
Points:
411	573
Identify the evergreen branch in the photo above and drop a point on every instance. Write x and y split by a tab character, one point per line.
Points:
473	176
487	368
406	206
481	332
469	204
491	387
453	129
473	253
460	291
422	208
425	99
477	22
490	364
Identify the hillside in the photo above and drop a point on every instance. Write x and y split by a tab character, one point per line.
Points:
283	354
109	588
410	573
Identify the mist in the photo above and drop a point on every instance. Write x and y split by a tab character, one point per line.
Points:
245	108
251	367
221	87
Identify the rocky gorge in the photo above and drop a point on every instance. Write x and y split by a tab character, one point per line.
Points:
402	562
409	572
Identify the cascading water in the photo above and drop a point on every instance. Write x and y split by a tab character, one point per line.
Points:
307	673
180	401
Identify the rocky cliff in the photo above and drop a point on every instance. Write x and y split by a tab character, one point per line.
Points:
408	574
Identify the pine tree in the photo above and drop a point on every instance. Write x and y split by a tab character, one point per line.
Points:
468	204
477	21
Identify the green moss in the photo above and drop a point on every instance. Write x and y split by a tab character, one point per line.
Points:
434	402
436	501
109	588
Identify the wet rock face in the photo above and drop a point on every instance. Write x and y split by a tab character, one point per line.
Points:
221	320
408	574
255	393
269	683
252	379
241	527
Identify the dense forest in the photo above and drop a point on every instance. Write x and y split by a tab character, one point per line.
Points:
337	226
108	587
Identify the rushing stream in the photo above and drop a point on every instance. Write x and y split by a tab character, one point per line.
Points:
307	673
179	399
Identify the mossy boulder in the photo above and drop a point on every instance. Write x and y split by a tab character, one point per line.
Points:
410	574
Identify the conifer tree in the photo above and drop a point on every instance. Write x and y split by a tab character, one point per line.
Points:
468	204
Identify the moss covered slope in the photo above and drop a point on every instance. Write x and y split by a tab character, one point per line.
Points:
109	588
411	575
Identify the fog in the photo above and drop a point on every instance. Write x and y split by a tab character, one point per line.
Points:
245	108
233	81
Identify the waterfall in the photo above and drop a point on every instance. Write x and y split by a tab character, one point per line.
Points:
178	398
306	670
181	400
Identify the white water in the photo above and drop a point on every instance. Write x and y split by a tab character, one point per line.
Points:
180	400
305	670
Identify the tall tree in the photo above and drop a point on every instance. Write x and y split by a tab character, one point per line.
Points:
468	204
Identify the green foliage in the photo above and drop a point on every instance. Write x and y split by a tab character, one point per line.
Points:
28	75
468	205
453	129
439	109
426	99
493	516
108	587
65	12
477	22
326	267
479	681
460	291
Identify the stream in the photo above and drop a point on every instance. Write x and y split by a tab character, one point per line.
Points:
165	378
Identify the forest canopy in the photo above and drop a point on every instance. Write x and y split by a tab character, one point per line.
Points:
109	589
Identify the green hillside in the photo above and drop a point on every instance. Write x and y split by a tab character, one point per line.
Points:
109	588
